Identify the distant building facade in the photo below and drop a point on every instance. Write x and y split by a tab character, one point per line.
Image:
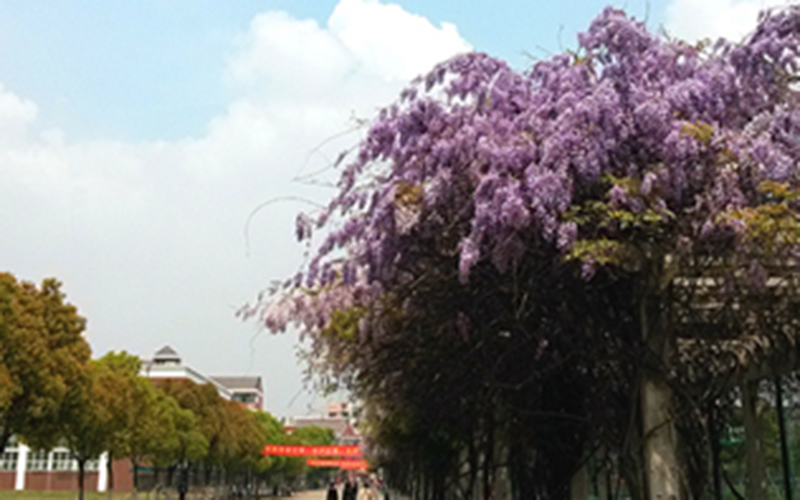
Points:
339	417
24	469
247	391
167	364
338	409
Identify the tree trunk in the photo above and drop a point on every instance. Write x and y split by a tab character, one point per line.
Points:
81	471
488	458
4	437
183	481
579	484
110	475
218	485
787	471
662	468
754	446
713	436
135	466
660	440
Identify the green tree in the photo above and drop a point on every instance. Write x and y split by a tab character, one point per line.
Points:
187	444
308	435
313	435
151	431
235	436
274	433
88	416
204	402
248	436
42	354
119	376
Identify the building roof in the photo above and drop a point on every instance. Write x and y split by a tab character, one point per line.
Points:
166	353
349	432
234	383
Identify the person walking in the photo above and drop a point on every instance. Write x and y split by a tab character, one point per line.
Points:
333	494
366	492
348	493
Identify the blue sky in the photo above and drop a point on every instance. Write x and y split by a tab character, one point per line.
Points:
137	137
152	69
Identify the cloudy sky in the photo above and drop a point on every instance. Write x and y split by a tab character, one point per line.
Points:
137	137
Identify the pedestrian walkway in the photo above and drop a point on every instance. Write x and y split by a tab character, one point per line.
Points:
316	495
309	495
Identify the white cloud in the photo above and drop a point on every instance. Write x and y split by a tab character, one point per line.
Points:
16	114
393	42
148	237
283	54
732	19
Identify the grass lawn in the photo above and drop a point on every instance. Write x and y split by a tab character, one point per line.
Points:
57	495
89	495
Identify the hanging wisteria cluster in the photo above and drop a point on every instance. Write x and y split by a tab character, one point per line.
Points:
487	161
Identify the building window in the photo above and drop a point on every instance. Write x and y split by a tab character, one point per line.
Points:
62	460
247	397
8	460
37	461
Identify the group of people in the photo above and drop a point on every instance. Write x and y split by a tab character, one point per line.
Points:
351	491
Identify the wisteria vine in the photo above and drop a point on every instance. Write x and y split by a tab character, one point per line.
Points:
486	161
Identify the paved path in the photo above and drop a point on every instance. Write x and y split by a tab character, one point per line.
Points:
312	495
308	495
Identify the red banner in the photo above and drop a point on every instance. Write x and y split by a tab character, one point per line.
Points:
354	465
340	464
282	450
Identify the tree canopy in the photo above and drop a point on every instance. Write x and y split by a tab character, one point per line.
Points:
42	353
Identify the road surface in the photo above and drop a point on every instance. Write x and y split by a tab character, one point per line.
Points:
312	495
309	495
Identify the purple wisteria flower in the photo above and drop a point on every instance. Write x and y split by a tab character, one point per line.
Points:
498	157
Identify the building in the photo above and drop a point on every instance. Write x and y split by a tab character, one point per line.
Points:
247	391
167	364
339	417
338	409
24	469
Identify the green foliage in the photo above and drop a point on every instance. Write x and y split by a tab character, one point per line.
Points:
274	433
42	353
125	396
773	227
186	443
234	437
308	435
345	323
86	416
313	435
618	234
603	251
701	131
151	424
204	402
